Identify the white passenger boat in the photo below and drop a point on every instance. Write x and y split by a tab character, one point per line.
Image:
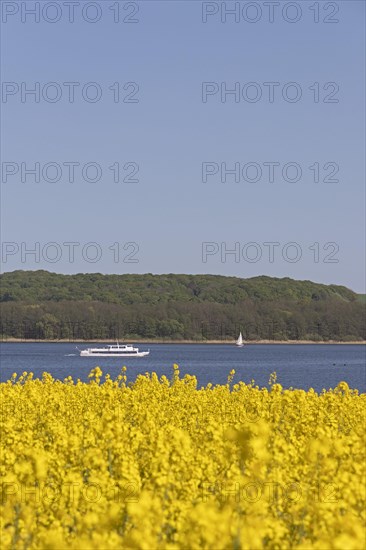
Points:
116	350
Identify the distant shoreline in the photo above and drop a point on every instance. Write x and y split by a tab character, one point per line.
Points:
166	341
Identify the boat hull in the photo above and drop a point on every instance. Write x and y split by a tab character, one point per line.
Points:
85	353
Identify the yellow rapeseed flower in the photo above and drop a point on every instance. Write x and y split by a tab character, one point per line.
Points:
161	464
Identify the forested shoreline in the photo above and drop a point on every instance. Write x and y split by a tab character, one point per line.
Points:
40	305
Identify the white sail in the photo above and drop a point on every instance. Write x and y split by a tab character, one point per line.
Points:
239	341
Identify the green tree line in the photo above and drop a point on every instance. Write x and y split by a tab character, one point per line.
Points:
44	305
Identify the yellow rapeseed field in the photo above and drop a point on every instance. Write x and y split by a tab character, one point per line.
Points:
162	464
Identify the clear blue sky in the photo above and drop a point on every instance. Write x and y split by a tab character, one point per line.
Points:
170	132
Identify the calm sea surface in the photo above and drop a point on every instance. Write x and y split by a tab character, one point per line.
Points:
298	366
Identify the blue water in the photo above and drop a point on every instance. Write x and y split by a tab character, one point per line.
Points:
298	366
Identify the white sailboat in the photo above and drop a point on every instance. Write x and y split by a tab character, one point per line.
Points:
239	341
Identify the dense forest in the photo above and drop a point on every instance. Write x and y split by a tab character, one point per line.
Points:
43	305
